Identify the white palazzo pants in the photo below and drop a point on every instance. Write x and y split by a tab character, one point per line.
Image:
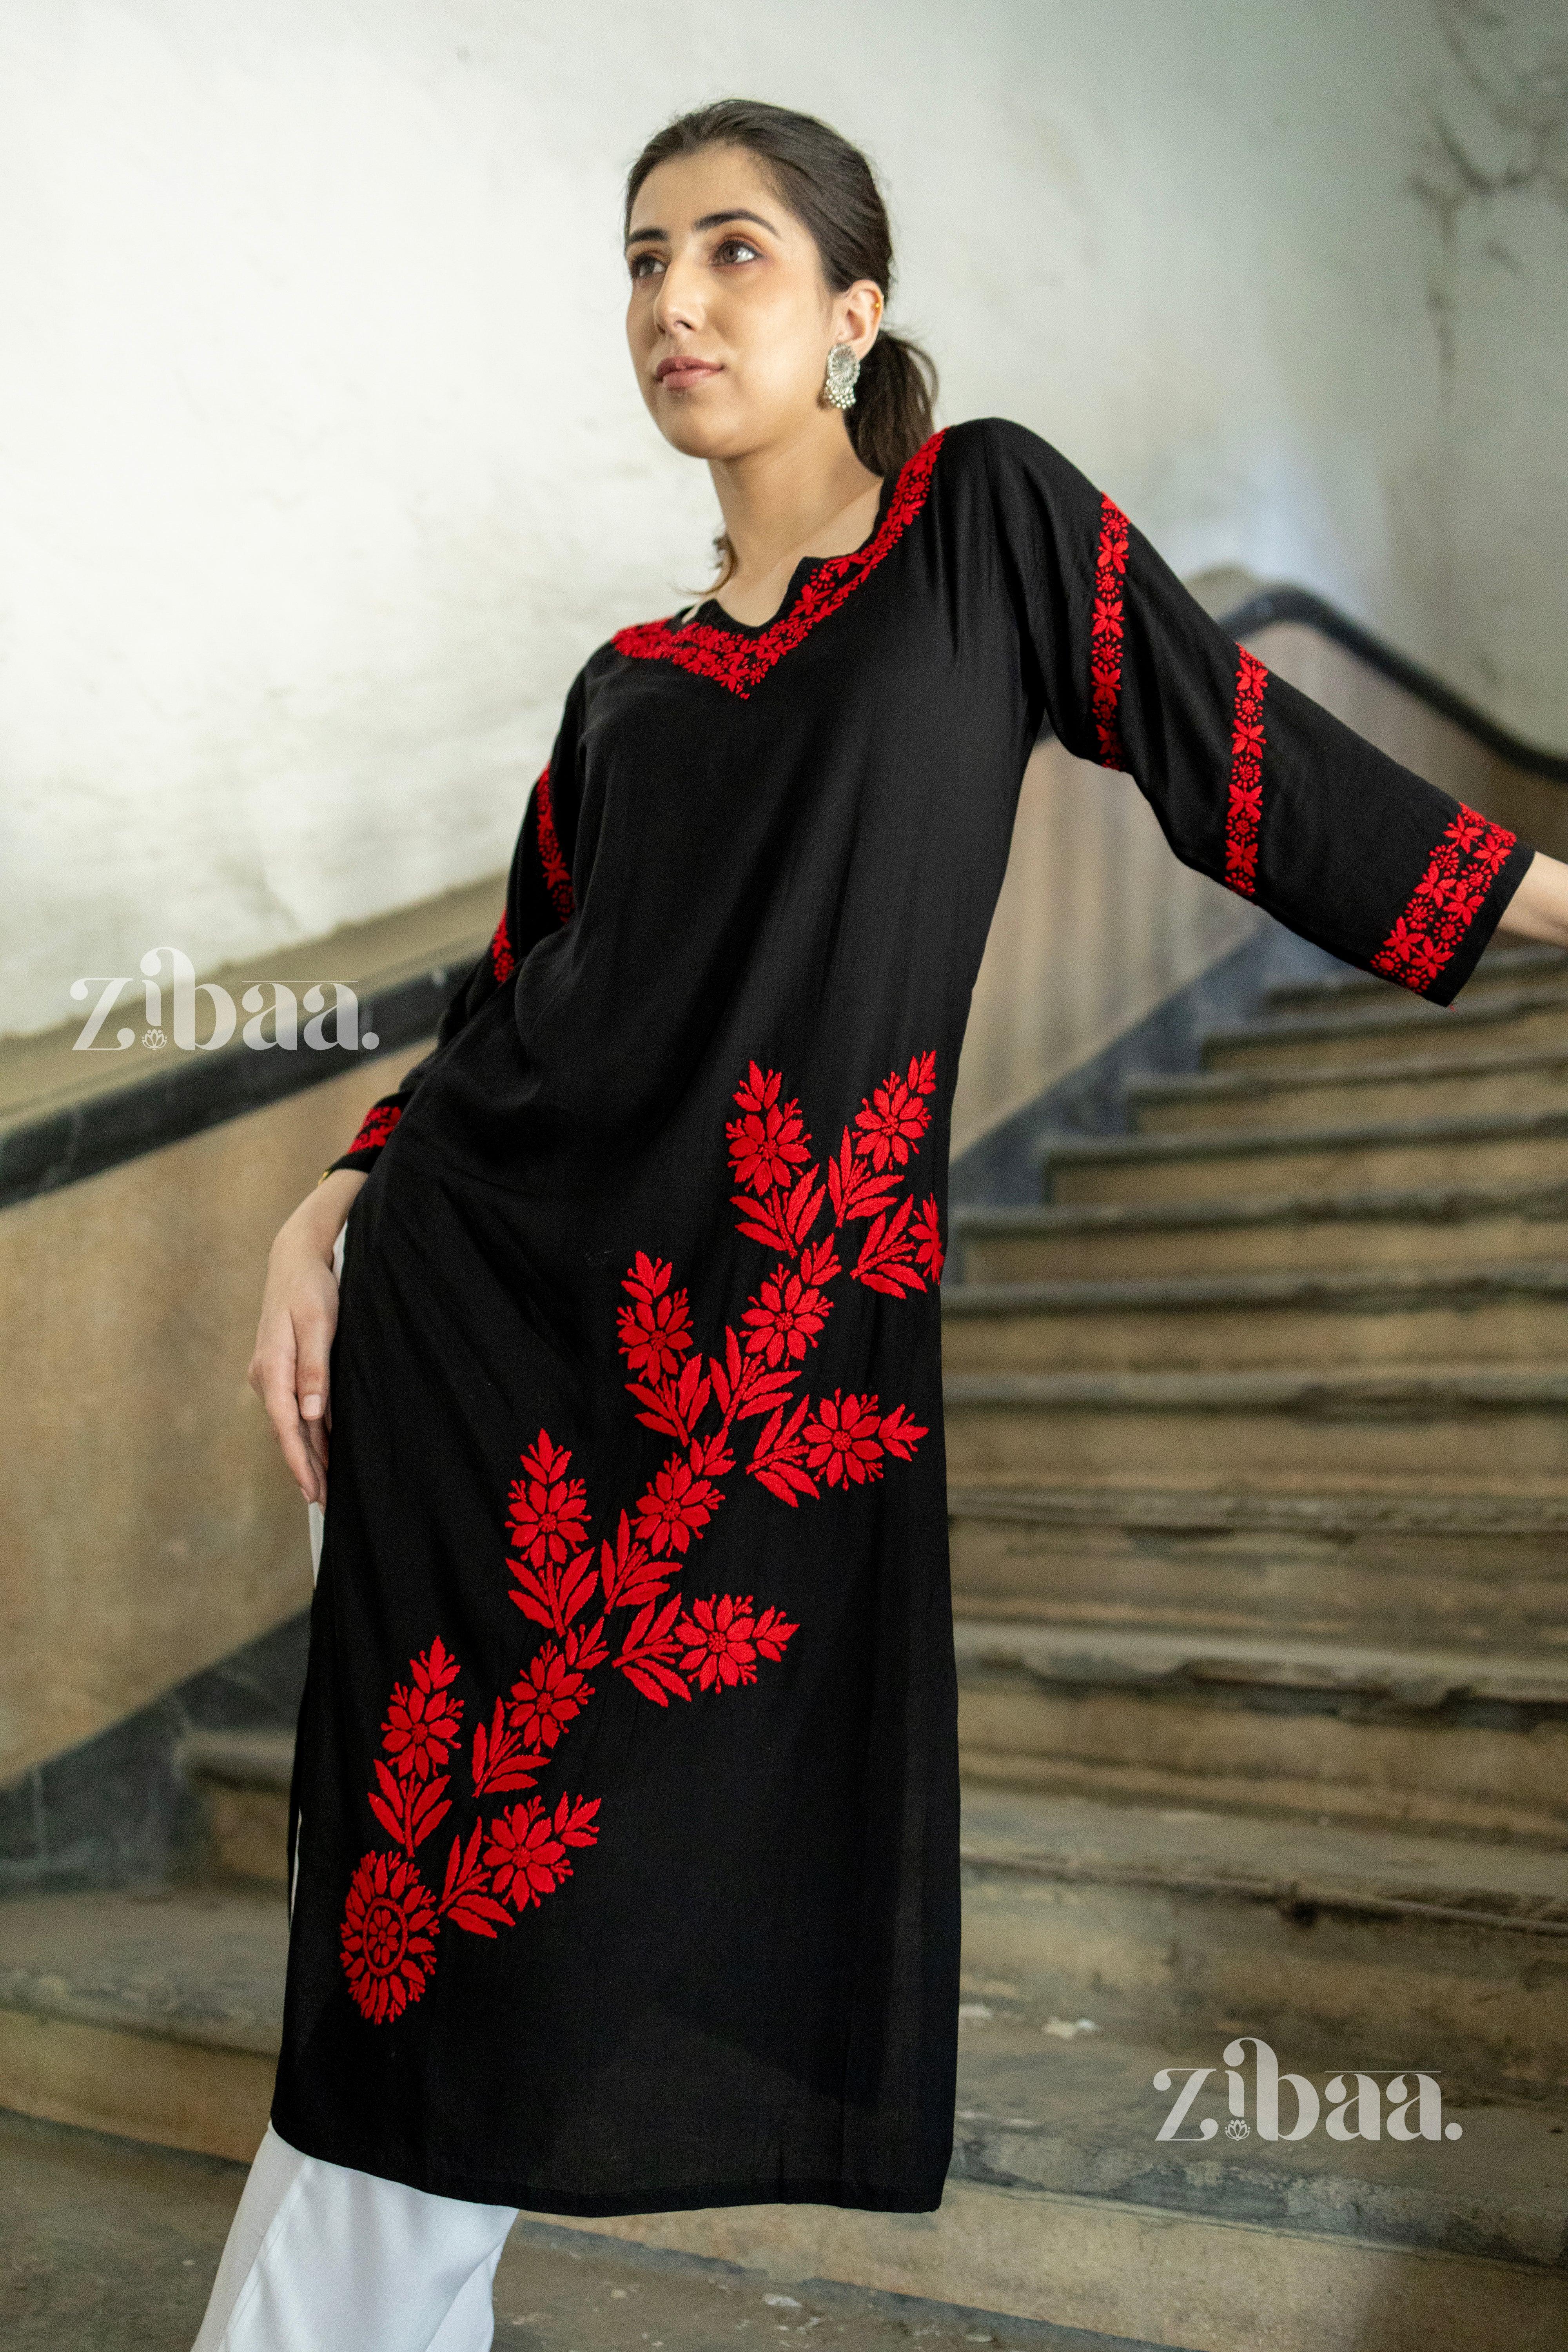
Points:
323	2259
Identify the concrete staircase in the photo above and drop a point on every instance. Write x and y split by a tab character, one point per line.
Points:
1258	1459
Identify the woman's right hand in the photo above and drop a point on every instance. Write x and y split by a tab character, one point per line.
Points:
294	1336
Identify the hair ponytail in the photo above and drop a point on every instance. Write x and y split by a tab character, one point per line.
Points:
895	396
832	190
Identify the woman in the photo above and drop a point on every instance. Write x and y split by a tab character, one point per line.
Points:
625	1809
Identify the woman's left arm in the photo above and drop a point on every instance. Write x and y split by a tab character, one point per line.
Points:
1253	783
1539	907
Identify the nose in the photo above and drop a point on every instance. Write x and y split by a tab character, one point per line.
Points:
678	302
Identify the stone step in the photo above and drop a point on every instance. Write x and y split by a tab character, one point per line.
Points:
242	1780
1416	1087
115	2246
1464	1743
1499	1148
1500	968
1432	1225
1506	1314
157	2015
1102	1946
1472	1429
1442	1570
1507	1021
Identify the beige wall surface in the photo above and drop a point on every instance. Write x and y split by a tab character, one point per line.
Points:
321	468
147	1524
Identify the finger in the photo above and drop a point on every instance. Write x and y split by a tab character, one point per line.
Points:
311	1371
276	1369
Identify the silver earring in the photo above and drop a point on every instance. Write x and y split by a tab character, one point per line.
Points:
843	368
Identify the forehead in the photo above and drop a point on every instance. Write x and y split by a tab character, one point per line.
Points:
690	188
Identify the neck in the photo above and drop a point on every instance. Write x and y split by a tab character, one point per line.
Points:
776	500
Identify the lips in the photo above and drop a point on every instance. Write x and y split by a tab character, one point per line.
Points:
683	369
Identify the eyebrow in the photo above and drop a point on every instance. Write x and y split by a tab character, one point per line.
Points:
708	220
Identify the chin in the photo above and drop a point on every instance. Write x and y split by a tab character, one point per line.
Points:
686	428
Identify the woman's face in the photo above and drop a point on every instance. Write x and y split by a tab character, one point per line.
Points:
730	318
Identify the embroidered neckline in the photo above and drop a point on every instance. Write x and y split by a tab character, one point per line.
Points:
737	658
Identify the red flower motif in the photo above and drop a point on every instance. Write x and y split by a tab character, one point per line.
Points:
656	1329
717	1641
676	1507
842	1444
422	1721
891	1124
549	1513
768	1143
786	1318
503	963
526	1852
546	1695
387	1935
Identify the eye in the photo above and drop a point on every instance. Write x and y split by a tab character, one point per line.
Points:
736	248
643	265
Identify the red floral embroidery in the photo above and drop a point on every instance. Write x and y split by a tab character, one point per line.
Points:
767	1144
786	1318
1105	631
1244	811
503	963
547	1510
422	1721
527	1848
377	1126
740	662
546	1695
388	1935
557	879
674	1647
723	1638
1446	900
656	1329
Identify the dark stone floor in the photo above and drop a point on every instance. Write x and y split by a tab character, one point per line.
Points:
105	2246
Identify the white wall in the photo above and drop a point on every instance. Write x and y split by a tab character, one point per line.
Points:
323	467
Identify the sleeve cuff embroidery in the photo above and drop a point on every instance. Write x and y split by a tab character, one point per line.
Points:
1463	867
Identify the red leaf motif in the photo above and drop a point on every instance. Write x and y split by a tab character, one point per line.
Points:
647	1651
778	1458
501	1761
926	1232
553	1596
899	1434
886	1261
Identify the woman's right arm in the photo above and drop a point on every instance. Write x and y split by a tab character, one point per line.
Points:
289	1364
294	1336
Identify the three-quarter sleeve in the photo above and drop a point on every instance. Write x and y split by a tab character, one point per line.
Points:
539	899
1252	781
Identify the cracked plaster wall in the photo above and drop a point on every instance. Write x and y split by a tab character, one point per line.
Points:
322	468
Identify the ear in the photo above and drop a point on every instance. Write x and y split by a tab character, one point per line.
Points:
858	316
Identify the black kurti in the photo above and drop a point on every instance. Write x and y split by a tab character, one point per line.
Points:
627	1869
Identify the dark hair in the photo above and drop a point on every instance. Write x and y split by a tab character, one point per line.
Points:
831	189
